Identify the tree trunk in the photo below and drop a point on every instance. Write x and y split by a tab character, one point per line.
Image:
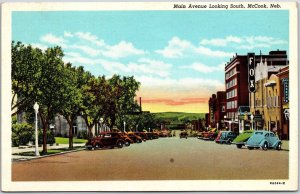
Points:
90	134
45	125
70	122
113	121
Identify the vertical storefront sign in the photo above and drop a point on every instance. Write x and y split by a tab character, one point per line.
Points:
251	72
285	90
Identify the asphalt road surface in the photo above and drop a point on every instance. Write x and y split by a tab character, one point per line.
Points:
161	159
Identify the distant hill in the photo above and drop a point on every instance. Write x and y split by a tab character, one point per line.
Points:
178	117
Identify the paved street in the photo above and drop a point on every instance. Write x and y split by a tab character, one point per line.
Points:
165	158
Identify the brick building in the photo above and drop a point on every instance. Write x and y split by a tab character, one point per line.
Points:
217	109
237	82
283	76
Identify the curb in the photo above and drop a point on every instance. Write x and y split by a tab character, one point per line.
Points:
39	157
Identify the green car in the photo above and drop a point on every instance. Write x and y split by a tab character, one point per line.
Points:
241	139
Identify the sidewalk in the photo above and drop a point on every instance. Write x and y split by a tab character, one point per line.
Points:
22	149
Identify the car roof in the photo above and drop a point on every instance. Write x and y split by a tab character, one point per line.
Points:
262	132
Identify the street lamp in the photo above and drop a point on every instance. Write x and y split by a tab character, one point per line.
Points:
36	110
225	117
124	125
101	124
251	117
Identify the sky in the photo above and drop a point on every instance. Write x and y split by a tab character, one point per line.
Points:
177	56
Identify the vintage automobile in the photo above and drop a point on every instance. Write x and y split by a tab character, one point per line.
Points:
263	139
210	135
126	138
183	134
241	139
151	135
225	137
107	139
135	138
143	135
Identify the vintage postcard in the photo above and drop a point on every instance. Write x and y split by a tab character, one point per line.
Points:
149	96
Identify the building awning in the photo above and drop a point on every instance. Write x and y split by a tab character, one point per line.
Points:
270	83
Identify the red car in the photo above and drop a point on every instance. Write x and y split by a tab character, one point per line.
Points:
143	135
107	139
135	138
210	135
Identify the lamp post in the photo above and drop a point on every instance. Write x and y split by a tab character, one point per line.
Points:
225	117
101	124
124	125
251	117
36	110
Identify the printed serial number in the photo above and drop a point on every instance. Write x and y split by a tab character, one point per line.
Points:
277	183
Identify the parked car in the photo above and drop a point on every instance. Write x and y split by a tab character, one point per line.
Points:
225	137
126	138
163	133
134	137
241	139
143	135
263	139
183	134
210	135
200	134
107	139
151	135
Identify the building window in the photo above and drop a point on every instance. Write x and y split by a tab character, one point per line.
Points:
223	108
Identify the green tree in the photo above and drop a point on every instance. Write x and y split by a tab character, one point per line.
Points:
94	101
121	99
53	88
25	74
71	101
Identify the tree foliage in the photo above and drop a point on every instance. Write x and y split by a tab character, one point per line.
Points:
59	88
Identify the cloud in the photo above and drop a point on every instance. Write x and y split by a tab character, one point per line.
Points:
180	84
142	66
204	68
212	53
177	48
149	66
86	49
40	46
174	102
180	91
245	42
90	38
123	49
51	39
221	41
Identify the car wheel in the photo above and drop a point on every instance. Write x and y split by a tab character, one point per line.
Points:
139	141
278	146
98	146
120	144
229	141
89	147
127	143
265	146
239	146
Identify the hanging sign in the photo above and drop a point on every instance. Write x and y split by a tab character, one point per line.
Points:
285	90
251	72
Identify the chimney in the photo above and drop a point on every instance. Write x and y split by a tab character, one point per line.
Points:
140	104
